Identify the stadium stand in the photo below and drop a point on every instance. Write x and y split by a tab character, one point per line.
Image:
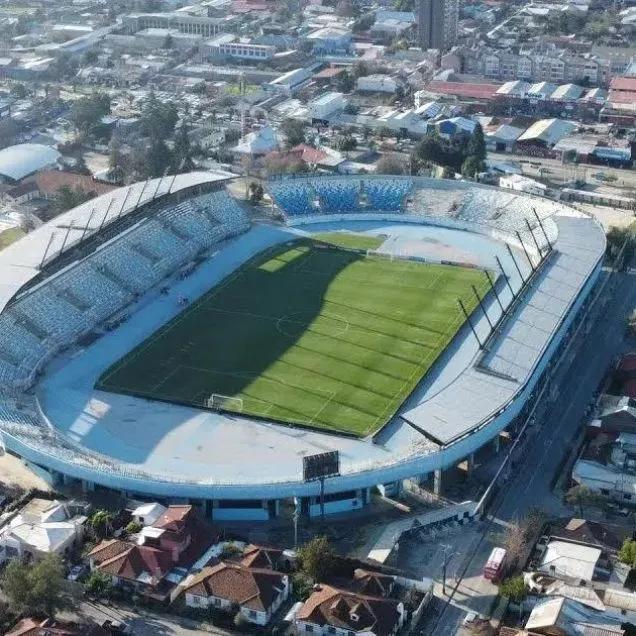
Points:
85	294
387	195
337	196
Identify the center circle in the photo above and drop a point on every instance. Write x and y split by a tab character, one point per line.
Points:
295	324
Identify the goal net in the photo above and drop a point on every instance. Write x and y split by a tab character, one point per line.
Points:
219	402
385	255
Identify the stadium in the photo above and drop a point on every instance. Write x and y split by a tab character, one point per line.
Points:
162	341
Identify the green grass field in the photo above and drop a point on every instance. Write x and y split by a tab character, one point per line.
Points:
318	337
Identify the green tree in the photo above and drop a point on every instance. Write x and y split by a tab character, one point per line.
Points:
514	588
168	42
345	143
294	132
134	527
256	192
101	523
87	112
582	496
448	173
183	149
346	83
471	166
35	588
316	558
98	584
67	198
627	553
476	144
158	119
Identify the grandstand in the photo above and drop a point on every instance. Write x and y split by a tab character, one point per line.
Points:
82	292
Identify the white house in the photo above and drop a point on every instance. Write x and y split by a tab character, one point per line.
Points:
42	527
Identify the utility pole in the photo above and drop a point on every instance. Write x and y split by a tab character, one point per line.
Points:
446	548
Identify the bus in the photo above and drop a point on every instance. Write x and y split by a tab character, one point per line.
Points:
495	564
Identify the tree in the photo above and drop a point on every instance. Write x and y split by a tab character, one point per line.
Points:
100	523
256	192
294	132
346	83
627	553
471	166
345	143
476	144
392	164
448	173
87	112
182	149
168	42
363	23
89	58
134	527
67	198
158	119
316	558
34	588
514	588
428	149
98	584
582	496
18	90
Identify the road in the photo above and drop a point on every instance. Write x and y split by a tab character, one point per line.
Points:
141	622
558	172
541	454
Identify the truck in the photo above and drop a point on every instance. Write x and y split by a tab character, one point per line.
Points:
495	564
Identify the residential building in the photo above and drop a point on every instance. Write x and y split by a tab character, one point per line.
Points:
257	592
43	527
162	555
331	40
437	23
330	610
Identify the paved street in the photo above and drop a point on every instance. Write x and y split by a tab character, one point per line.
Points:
540	457
141	622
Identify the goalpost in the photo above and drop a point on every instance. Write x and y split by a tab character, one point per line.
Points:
386	255
220	402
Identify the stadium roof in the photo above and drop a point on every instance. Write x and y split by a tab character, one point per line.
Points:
21	261
476	395
17	162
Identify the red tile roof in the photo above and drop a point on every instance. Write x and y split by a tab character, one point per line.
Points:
173	518
328	73
623	84
136	560
256	556
106	550
350	611
252	588
461	89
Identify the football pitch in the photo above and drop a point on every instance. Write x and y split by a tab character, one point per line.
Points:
305	334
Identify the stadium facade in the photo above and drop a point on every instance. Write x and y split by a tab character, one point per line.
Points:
81	291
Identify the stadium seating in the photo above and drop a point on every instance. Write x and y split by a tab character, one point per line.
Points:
85	295
336	196
295	199
387	194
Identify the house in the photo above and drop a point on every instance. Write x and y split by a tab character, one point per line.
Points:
330	610
524	184
256	592
43	527
149	513
48	627
573	561
162	555
566	617
22	193
258	143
